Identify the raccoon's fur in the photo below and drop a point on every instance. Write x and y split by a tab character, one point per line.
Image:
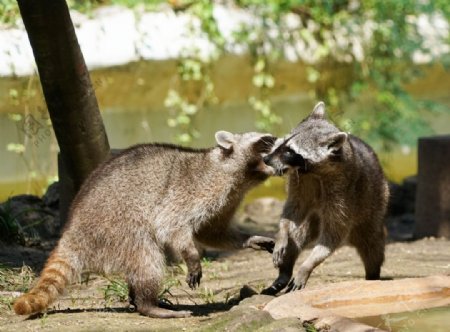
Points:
337	193
149	200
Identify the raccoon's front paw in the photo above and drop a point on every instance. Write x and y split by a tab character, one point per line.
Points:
279	253
193	278
298	283
260	242
277	285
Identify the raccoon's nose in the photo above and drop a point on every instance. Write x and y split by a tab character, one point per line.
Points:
267	159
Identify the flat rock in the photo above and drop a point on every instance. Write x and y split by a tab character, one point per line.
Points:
334	304
283	325
239	319
255	302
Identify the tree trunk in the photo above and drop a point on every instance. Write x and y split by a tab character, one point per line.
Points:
67	87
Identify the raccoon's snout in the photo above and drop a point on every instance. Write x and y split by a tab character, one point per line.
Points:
278	168
284	160
264	169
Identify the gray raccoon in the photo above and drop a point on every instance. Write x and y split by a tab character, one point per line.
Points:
337	193
149	200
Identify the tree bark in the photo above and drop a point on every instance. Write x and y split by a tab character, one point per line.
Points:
67	87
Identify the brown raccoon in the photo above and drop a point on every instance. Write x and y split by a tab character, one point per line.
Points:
337	193
149	200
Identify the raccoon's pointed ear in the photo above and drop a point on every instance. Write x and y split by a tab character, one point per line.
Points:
318	111
337	141
225	139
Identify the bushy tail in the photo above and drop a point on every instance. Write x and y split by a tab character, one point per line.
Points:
57	273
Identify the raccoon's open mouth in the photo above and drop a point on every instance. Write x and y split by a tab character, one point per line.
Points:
280	171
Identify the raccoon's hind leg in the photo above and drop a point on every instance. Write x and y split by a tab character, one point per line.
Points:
131	296
291	240
326	244
370	246
144	282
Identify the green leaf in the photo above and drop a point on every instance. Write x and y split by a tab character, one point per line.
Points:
15	147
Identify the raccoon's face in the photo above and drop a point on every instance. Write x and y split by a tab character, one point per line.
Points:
311	147
246	151
283	157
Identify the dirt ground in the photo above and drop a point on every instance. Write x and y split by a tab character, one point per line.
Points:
100	303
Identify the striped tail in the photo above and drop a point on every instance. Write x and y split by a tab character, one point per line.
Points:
56	274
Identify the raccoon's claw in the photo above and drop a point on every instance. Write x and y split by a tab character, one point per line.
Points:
261	242
267	245
278	255
291	286
294	285
193	279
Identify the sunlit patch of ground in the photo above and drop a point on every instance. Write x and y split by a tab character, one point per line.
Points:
99	303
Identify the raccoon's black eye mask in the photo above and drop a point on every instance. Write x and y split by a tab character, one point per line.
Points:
289	157
265	144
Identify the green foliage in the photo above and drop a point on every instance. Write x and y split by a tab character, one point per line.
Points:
309	327
168	283
206	262
257	38
116	290
193	93
394	115
34	130
6	302
13	279
9	12
193	90
360	57
207	295
369	72
379	71
203	9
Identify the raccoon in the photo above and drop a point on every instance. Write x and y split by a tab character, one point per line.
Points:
150	200
337	193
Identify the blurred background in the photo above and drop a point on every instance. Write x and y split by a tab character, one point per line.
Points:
177	71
